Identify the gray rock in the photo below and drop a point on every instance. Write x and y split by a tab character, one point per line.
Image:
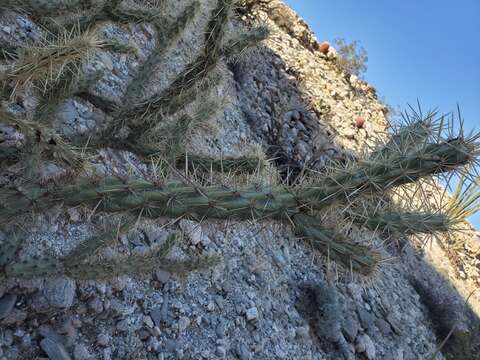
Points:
366	318
383	326
163	276
365	345
302	333
7	303
183	323
243	352
251	314
15	317
96	305
80	352
54	350
103	339
350	328
147	320
157	315
221	352
59	292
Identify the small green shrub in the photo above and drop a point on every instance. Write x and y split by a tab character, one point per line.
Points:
351	57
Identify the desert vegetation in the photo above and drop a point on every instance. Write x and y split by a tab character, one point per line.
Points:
156	126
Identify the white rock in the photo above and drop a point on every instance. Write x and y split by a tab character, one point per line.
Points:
251	314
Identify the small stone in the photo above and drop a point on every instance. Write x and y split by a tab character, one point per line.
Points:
349	133
80	352
302	333
156	316
118	283
183	323
123	325
383	326
163	276
143	334
54	350
96	305
251	314
157	331
59	292
147	320
243	352
103	340
350	328
366	318
7	303
365	345
74	214
221	352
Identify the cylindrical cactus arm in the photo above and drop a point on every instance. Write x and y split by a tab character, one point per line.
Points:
395	170
411	137
355	257
82	269
406	222
218	202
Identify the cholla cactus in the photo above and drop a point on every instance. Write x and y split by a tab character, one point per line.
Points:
158	126
49	61
83	263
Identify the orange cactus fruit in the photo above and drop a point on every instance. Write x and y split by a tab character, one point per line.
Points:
359	122
324	47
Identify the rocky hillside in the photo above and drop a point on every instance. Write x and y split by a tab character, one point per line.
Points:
273	297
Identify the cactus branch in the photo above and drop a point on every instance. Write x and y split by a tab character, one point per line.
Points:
74	265
357	257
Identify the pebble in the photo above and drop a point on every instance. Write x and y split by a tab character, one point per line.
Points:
251	314
103	339
156	315
366	318
350	328
147	320
243	352
183	323
383	326
163	276
80	352
302	333
365	345
54	350
96	305
59	292
221	352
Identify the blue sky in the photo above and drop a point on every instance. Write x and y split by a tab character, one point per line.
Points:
417	49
